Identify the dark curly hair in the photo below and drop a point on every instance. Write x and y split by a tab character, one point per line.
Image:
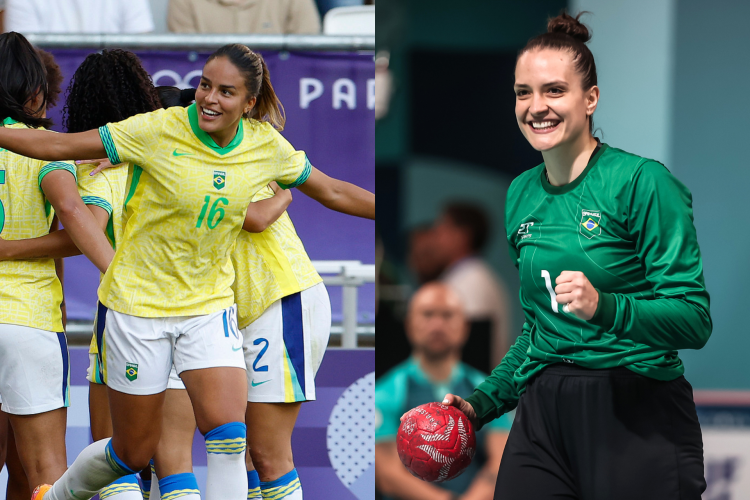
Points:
108	87
54	77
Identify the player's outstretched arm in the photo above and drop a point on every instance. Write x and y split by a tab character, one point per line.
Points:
45	145
60	189
393	480
339	195
263	213
55	245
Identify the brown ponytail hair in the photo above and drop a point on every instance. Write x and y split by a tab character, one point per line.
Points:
567	33
253	68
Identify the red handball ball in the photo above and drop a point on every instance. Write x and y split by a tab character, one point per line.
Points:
436	442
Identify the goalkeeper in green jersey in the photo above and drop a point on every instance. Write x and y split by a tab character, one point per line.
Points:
611	287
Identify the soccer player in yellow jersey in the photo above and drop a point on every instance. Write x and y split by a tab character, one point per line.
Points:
168	290
34	370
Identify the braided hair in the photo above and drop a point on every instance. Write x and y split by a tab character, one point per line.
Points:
108	87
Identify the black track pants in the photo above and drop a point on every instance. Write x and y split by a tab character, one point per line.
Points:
603	435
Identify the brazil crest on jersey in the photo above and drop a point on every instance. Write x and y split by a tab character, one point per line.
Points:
30	291
184	206
626	222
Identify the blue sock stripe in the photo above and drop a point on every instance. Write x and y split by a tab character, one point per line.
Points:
282	491
146	488
227	439
282	481
114	461
184	481
125	483
253	479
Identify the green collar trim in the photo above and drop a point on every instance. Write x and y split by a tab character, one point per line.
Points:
566	188
206	139
9	121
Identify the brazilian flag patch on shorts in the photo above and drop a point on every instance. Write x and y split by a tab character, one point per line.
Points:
131	371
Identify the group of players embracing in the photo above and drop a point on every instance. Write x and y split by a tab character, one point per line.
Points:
210	312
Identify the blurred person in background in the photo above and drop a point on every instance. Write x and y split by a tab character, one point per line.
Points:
78	16
423	257
437	330
266	17
460	234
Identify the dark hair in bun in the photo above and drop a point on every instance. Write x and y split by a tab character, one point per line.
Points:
566	32
172	96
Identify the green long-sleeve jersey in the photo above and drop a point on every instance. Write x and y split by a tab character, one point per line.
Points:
627	223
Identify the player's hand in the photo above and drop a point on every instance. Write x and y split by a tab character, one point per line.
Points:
464	406
275	187
577	293
101	164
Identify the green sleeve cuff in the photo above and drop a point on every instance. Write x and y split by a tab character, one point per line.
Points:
109	145
483	406
606	311
99	202
57	165
301	179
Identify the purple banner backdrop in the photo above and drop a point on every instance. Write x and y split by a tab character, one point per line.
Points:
341	419
329	102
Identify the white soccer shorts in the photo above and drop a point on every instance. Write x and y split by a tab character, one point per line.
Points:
138	353
34	370
285	346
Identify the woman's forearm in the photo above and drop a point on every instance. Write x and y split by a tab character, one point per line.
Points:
55	245
339	195
263	213
50	146
86	234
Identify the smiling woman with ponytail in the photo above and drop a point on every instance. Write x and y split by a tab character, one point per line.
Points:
611	287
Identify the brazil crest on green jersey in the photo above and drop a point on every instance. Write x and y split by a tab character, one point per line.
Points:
627	223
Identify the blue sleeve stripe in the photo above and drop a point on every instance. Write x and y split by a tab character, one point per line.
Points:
109	145
99	202
57	165
302	177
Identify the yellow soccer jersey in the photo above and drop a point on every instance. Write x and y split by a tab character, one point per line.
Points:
30	291
106	190
184	207
268	266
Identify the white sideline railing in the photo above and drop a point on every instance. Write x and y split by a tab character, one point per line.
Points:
200	41
348	274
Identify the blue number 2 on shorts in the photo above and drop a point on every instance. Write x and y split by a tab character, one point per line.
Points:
263	368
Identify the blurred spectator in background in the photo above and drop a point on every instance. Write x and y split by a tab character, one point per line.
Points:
268	17
423	255
78	16
461	233
437	330
2	16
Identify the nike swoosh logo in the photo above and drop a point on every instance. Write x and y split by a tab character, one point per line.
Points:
259	383
175	153
237	349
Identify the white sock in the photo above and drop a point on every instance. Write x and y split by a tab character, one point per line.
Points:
179	486
227	477
287	487
125	488
96	467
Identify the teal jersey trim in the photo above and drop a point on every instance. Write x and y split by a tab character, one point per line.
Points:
302	177
57	165
109	145
99	202
9	121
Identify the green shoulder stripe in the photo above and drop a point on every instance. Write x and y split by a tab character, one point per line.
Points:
109	145
137	171
99	202
302	177
57	165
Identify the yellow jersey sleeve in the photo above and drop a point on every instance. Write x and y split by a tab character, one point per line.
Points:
293	167
133	140
107	191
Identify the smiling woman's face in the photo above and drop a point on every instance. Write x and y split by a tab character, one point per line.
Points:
552	108
221	98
